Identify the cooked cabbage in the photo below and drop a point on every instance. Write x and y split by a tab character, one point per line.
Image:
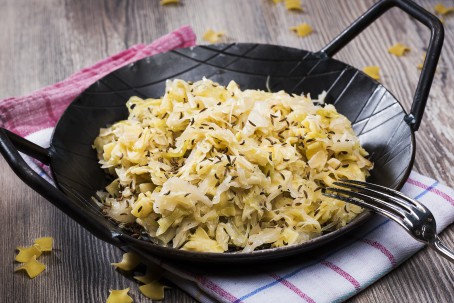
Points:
214	169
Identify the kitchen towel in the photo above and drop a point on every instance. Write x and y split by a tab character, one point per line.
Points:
325	275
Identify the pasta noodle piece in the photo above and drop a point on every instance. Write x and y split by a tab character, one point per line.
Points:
294	5
372	71
27	253
128	262
212	36
440	9
153	290
277	1
302	30
32	267
45	243
119	296
200	241
166	2
398	49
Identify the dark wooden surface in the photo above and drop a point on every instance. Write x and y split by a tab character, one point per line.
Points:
44	41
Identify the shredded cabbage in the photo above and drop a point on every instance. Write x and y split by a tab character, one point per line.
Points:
212	168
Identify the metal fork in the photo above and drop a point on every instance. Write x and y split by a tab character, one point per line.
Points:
414	217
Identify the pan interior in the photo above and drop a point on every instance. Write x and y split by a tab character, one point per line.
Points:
376	116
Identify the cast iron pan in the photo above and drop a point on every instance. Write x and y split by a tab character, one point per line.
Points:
383	126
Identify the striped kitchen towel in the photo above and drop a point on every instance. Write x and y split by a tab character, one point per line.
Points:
325	275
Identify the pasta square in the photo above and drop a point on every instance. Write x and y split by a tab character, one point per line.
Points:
398	49
302	30
128	262
27	253
372	71
33	267
119	296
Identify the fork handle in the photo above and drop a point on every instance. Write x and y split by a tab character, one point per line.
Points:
442	249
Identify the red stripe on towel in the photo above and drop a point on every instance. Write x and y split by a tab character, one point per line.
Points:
293	287
381	248
342	273
217	289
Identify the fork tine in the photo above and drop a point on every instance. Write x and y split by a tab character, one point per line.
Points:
359	203
387	190
362	203
370	199
364	188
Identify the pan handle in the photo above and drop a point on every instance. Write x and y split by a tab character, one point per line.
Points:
433	51
10	145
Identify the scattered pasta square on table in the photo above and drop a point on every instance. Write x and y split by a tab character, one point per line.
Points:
119	296
166	2
128	262
28	256
212	36
302	30
153	290
33	267
440	9
45	244
372	71
398	49
27	253
293	5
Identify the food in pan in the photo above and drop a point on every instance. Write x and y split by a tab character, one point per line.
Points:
211	168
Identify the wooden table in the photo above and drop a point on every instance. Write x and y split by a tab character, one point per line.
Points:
44	41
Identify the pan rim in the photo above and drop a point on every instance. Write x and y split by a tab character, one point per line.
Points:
237	256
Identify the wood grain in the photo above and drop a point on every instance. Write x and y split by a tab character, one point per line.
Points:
44	41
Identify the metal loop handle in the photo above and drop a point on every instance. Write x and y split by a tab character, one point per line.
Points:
10	144
31	149
433	52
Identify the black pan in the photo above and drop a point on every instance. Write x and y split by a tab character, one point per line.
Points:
383	126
